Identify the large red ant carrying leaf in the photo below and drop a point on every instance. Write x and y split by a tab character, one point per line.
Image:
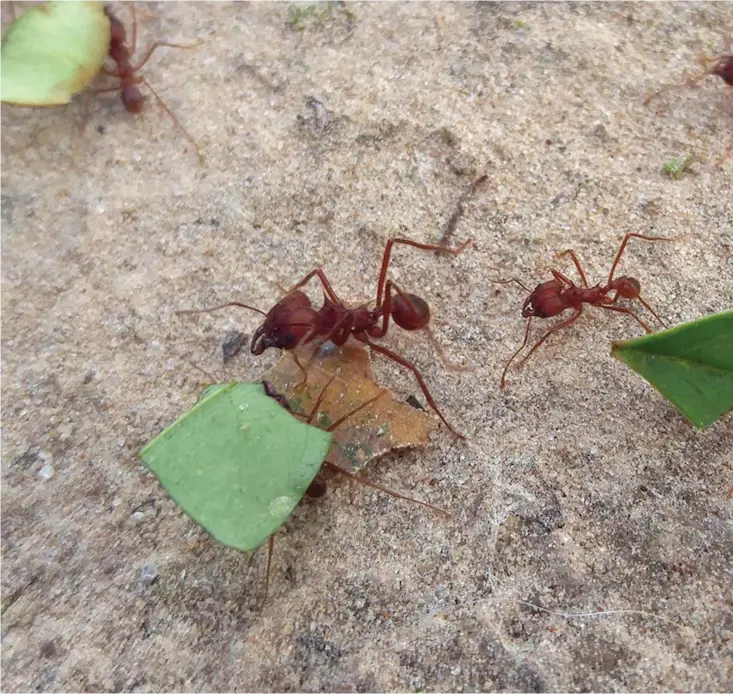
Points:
386	425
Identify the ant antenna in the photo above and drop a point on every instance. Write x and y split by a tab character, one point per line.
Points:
188	311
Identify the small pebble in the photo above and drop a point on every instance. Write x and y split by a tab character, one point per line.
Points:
149	573
47	471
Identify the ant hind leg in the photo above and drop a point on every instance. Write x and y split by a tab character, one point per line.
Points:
185	132
416	372
374	485
566	323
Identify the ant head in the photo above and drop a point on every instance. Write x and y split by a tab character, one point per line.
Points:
132	98
410	312
627	287
287	323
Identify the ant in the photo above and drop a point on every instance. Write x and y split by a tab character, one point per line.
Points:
318	486
124	71
293	320
555	296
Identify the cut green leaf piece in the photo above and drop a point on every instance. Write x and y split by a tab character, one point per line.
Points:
52	52
237	463
690	364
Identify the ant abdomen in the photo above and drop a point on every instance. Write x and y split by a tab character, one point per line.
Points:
132	98
410	312
627	287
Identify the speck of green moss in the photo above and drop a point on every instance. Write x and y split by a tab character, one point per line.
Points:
675	167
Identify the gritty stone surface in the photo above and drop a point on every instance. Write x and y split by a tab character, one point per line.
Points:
591	540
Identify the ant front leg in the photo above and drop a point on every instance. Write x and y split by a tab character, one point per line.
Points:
502	382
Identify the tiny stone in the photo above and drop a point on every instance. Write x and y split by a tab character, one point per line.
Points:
46	471
120	443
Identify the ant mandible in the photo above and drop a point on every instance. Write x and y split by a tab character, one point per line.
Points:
555	296
130	95
293	320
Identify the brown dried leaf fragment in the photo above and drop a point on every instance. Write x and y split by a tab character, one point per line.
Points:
385	425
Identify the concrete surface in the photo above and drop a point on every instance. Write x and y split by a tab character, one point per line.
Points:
591	542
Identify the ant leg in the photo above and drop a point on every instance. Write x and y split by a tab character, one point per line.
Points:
554	329
338	335
578	267
414	244
319	400
340	421
629	312
188	311
622	248
324	281
161	44
374	485
409	365
133	39
303	369
142	80
270	547
502	382
643	303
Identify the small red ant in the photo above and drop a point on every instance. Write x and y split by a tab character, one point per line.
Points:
294	321
130	95
551	298
318	486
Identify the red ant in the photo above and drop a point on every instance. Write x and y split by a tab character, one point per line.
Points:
318	487
130	94
294	321
553	297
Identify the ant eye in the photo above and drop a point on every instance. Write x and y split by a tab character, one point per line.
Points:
289	338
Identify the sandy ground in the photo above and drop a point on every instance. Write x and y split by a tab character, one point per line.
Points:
590	544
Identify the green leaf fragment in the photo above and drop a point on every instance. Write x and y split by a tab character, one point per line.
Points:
237	463
691	365
53	51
